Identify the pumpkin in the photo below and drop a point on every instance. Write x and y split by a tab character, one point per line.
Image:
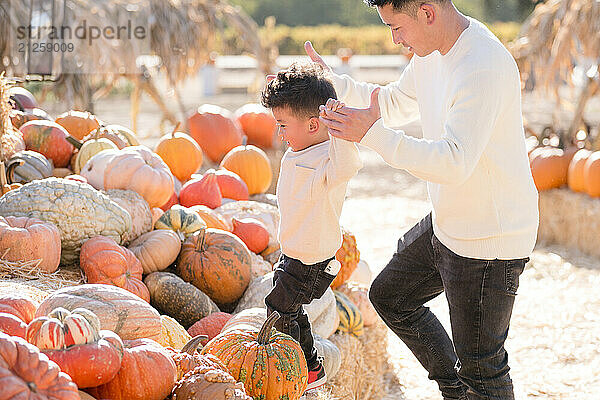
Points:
50	139
591	175
266	213
252	165
214	129
28	239
260	266
258	124
171	202
188	358
93	170
18	305
181	220
26	166
332	357
20	118
231	185
206	383
250	319
156	214
204	191
74	341
85	396
270	364
78	211
359	295
138	209
12	325
216	262
124	133
178	299
61	172
23	99
211	218
351	321
348	256
78	123
104	261
575	171
118	310
252	232
362	274
147	373
28	374
549	167
172	333
181	153
105	132
156	250
210	325
88	149
137	168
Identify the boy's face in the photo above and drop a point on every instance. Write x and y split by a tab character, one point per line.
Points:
297	131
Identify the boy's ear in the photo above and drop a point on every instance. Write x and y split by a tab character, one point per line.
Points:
313	125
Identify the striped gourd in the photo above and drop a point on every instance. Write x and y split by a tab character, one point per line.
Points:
350	317
182	220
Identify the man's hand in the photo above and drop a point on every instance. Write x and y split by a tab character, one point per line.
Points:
350	123
314	56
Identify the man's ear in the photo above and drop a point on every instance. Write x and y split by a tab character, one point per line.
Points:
428	12
313	125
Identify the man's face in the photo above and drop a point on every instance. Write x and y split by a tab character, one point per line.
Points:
293	129
409	31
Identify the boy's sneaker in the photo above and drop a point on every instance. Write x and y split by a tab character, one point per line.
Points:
316	377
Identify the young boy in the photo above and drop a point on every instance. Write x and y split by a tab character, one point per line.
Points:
314	174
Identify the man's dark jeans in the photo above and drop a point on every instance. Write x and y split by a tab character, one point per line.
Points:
481	293
295	284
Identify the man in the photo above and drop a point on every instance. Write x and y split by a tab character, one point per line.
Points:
465	87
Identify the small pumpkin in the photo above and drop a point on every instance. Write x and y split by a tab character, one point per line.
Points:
206	383
104	261
350	317
26	166
29	239
362	274
29	374
214	129
147	373
106	132
252	232
231	185
211	218
549	167
210	326
359	295
252	165
181	220
204	191
348	255
591	174
172	333
266	213
74	341
269	363
332	357
50	139
88	149
178	299
188	358
249	319
18	305
258	124
12	325
181	153
216	262
20	118
575	172
93	170
22	98
156	249
78	123
124	133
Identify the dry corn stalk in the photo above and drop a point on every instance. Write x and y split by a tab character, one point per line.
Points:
11	140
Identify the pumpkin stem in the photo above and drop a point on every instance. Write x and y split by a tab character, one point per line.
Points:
192	345
76	143
265	332
244	140
175	129
202	236
9	175
3	184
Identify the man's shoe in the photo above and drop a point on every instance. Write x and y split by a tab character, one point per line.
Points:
316	377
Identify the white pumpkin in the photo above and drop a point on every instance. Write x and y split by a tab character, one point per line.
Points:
332	357
362	274
94	168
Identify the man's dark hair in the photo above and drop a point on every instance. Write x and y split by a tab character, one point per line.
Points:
303	87
409	7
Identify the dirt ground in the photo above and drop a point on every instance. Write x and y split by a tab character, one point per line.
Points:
554	340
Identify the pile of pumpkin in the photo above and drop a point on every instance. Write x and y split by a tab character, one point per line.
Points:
153	237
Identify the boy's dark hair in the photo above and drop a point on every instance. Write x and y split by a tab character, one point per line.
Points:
408	7
303	87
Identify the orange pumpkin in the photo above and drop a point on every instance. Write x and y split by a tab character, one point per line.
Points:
214	129
269	363
212	218
349	256
575	171
78	123
181	153
19	118
591	174
252	232
50	139
174	199
258	124
549	167
231	185
137	168
12	325
204	191
216	262
252	165
104	261
28	239
210	326
19	306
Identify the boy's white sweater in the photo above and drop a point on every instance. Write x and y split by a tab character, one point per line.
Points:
472	153
310	194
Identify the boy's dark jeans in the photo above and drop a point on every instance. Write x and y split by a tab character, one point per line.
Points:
480	293
294	284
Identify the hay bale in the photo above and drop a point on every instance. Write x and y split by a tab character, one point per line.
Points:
570	219
24	289
346	383
374	349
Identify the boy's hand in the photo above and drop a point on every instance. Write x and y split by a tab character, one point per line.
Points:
314	56
331	105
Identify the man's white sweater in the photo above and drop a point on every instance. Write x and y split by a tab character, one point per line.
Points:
310	194
472	153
